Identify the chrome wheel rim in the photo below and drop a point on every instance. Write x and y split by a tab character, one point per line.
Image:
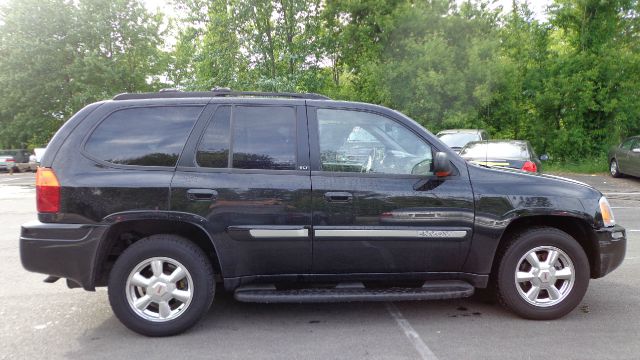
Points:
544	276
159	289
614	167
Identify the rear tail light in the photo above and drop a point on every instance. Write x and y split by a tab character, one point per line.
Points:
530	166
10	160
47	191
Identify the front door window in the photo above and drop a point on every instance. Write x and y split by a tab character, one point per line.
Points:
357	141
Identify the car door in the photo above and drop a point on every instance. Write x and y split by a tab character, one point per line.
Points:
633	158
244	176
623	155
377	207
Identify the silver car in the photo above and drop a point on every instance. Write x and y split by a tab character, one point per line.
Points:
624	159
7	162
456	139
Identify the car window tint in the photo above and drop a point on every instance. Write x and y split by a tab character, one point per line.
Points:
213	150
626	145
264	138
356	141
148	136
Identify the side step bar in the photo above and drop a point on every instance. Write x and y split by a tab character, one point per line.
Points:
353	292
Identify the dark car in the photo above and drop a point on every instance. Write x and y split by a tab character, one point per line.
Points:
458	138
516	154
624	159
298	198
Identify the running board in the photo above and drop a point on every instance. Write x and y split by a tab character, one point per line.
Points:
353	292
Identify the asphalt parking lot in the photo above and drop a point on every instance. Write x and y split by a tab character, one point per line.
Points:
39	320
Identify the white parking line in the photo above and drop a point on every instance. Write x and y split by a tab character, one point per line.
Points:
410	333
633	230
11	179
622	193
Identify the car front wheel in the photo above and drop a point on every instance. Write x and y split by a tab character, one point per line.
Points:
614	169
543	274
161	285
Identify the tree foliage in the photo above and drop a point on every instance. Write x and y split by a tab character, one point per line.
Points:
57	56
568	83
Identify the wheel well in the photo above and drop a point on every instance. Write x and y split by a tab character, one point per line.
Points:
576	228
121	235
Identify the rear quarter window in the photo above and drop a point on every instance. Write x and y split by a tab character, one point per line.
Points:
145	136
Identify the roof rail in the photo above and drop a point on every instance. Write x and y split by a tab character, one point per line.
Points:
229	92
215	92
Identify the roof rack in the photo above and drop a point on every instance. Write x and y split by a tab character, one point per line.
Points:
215	92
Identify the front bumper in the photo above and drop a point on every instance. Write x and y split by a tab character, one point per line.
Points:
62	250
612	247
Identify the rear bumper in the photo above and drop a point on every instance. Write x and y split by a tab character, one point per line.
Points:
62	250
612	247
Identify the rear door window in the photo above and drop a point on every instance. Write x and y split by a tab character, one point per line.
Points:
257	137
264	138
213	150
146	136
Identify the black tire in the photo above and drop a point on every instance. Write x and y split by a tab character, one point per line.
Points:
510	259
172	248
614	169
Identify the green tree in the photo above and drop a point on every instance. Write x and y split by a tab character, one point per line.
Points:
259	45
593	77
57	56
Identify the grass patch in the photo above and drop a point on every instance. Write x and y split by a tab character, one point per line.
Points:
587	166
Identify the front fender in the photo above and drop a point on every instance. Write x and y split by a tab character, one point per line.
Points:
495	213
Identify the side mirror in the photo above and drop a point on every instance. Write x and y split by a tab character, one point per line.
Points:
422	168
544	157
441	165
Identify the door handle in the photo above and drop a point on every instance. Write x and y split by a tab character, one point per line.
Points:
201	194
338	197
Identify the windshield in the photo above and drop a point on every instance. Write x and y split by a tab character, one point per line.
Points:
458	139
501	150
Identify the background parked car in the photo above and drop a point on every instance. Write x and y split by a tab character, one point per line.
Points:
39	153
7	163
624	159
458	138
517	154
20	159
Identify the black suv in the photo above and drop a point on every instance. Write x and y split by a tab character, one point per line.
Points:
298	198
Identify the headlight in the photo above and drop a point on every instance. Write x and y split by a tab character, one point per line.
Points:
607	214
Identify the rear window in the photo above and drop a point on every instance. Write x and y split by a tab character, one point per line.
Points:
496	151
458	139
147	136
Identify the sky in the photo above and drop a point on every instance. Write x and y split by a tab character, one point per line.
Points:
538	7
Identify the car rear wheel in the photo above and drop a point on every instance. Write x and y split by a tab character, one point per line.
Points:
614	169
543	274
161	285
